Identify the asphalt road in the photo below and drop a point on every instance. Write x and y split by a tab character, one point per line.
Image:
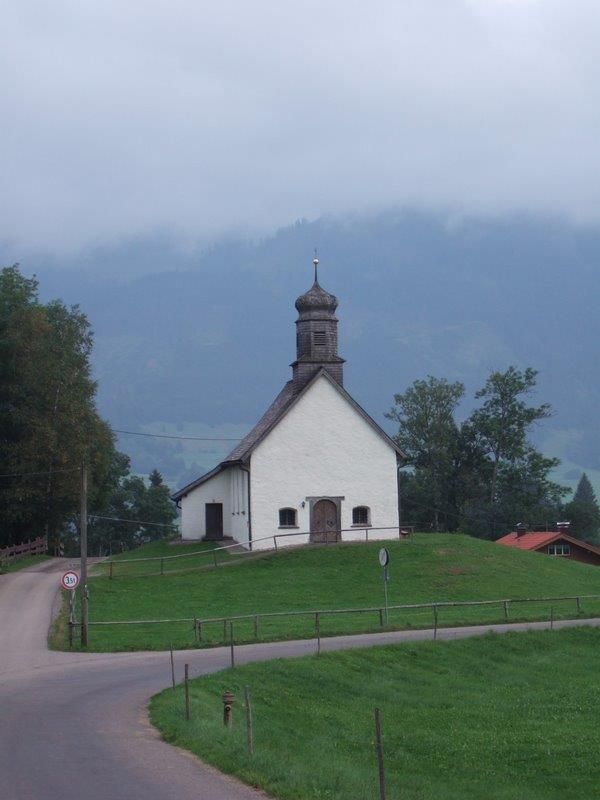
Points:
75	725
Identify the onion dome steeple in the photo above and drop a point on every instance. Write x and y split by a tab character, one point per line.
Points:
316	334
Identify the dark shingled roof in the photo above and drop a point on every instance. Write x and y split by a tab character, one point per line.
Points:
271	416
286	398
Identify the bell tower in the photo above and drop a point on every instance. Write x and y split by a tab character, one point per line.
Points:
316	335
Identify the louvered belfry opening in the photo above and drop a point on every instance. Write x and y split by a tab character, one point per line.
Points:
317	336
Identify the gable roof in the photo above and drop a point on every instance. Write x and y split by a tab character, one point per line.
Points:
537	540
285	400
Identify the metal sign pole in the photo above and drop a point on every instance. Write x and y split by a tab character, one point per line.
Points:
384	560
386	578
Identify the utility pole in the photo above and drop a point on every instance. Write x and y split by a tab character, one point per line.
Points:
83	545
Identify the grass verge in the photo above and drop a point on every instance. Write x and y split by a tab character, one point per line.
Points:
498	717
22	563
432	568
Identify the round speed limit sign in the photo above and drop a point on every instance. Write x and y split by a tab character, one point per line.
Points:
69	580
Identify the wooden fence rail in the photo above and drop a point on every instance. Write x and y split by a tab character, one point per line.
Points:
404	532
36	547
227	622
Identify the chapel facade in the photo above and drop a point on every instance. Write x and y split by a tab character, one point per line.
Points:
316	465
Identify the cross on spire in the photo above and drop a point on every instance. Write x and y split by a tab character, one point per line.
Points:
316	264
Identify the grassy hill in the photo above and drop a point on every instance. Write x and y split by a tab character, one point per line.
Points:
431	568
502	718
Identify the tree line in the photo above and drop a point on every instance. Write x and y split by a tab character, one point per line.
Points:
49	427
483	475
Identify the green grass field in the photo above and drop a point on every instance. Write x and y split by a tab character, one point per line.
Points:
146	560
493	718
433	567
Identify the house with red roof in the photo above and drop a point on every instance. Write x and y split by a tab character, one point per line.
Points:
552	543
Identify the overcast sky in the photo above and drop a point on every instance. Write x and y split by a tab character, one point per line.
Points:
122	118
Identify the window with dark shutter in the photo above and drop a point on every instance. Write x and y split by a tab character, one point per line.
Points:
287	517
361	515
320	338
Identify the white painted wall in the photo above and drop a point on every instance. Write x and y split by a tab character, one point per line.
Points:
228	487
323	446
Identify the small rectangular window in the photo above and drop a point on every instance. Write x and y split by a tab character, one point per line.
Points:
559	550
287	517
320	338
361	516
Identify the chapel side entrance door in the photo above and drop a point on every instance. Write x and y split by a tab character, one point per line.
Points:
325	525
214	521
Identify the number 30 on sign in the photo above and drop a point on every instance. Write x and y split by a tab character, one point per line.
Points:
69	580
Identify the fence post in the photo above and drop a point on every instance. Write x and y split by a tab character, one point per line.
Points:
366	534
249	731
196	630
275	542
224	631
435	622
231	644
215	556
381	617
199	630
551	617
318	631
578	604
172	668
187	691
70	634
256	626
379	745
505	604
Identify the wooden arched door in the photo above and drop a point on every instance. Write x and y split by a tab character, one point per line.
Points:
325	525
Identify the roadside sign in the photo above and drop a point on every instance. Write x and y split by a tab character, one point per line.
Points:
69	580
384	560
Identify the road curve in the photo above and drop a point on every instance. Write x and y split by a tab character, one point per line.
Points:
75	725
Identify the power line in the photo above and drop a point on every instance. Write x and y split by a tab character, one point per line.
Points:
31	474
184	438
136	521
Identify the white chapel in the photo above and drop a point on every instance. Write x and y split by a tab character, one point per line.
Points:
316	465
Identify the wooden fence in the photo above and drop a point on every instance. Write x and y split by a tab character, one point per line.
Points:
213	557
498	611
36	547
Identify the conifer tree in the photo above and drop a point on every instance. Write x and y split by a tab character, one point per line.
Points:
583	511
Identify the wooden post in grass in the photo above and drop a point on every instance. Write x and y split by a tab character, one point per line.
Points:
318	631
231	644
379	746
224	631
551	617
196	630
435	622
578	604
172	667
199	630
187	691
249	731
381	617
505	604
